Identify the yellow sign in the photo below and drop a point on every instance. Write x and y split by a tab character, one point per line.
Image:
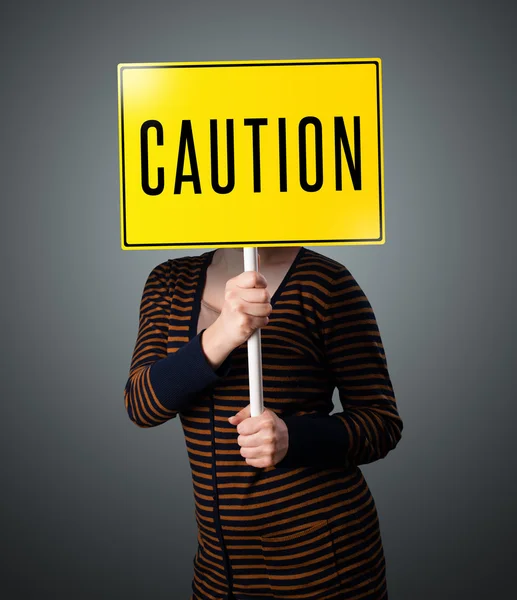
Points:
251	153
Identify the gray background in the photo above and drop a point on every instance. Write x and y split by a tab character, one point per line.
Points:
94	507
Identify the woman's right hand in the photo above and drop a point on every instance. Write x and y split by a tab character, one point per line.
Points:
245	309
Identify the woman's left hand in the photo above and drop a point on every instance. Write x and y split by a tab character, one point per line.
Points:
263	440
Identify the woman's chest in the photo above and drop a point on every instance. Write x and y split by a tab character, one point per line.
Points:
291	335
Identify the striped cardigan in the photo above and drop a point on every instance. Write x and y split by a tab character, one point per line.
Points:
306	528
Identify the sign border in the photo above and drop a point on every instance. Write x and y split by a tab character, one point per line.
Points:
294	62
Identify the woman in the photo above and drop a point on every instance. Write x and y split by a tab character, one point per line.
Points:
282	507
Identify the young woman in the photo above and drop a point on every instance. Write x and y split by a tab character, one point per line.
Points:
281	504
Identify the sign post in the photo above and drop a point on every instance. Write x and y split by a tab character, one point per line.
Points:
254	348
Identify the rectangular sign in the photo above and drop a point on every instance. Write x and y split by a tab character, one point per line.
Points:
251	153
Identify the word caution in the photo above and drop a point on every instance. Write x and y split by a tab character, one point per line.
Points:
154	176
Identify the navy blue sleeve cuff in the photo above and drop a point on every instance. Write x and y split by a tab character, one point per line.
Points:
315	441
179	377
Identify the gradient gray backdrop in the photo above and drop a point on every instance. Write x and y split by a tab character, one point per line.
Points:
93	507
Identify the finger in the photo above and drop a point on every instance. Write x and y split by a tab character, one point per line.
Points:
251	279
240	416
250	441
250	426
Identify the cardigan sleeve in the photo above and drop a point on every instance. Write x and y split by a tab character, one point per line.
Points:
369	426
160	385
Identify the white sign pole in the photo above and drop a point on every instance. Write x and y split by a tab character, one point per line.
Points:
254	347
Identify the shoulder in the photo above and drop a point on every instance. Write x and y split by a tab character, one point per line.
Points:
331	287
168	271
329	264
174	265
325	272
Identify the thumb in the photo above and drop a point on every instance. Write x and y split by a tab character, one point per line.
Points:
240	416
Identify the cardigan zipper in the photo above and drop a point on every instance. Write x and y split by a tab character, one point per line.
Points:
216	504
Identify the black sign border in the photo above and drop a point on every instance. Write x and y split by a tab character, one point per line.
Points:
247	242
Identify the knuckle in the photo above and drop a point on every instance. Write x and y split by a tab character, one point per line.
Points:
236	305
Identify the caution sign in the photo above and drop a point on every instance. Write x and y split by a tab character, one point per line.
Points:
251	153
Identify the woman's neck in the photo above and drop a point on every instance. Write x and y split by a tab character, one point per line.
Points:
232	259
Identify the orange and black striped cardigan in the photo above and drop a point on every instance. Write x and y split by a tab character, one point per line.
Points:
306	528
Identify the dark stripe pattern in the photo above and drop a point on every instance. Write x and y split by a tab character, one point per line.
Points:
306	528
